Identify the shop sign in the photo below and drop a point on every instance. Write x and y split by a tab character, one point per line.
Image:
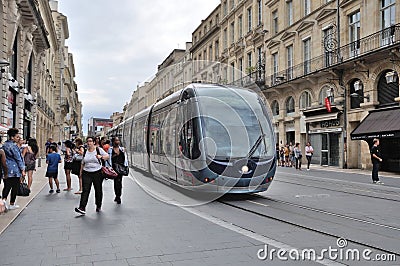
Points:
330	123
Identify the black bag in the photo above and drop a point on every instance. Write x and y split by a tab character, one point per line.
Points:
121	169
23	190
76	167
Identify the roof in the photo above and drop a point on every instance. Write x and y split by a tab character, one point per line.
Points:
379	124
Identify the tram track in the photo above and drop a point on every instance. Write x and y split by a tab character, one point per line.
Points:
364	193
313	229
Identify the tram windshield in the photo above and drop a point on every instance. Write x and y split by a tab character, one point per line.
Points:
235	124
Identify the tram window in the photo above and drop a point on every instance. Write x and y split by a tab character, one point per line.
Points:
188	139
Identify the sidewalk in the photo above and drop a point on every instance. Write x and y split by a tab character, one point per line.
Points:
39	181
352	171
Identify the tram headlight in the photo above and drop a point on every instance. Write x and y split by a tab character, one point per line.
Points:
245	169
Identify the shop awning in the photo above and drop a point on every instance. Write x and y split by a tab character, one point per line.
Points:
379	124
323	117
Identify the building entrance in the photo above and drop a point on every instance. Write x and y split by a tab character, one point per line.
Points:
326	149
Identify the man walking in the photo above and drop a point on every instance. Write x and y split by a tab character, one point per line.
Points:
376	160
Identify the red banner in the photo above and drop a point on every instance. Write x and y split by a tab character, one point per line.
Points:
328	105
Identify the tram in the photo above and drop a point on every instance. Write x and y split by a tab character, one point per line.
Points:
205	137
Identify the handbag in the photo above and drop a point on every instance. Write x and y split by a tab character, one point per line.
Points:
121	169
108	172
77	157
23	190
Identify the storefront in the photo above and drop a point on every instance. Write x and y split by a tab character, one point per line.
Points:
383	124
324	131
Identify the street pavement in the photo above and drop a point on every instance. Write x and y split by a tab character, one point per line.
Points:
45	230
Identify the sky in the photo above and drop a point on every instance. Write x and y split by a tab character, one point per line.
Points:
117	45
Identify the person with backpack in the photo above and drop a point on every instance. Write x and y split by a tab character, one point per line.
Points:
91	174
77	161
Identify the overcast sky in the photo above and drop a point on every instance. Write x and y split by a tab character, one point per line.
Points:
118	44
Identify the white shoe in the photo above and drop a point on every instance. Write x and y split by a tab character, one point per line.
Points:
380	182
6	205
308	169
13	207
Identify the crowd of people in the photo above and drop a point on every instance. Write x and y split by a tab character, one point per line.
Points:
18	161
291	155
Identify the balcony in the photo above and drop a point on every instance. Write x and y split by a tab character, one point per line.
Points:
377	45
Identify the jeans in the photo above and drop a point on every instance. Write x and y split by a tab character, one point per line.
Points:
89	178
298	163
118	186
308	161
11	183
375	169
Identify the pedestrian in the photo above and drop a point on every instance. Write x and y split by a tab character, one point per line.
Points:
291	155
282	156
91	174
15	166
3	165
309	153
376	159
68	163
29	154
48	144
79	151
117	156
52	160
298	155
287	152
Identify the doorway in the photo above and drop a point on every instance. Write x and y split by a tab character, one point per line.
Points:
326	149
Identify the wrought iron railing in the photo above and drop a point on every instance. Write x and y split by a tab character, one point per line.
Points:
383	39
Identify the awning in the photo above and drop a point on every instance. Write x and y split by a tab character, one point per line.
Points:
324	117
379	124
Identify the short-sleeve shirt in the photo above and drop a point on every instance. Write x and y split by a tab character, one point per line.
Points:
375	150
90	162
52	162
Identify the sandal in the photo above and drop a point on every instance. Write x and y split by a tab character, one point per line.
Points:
78	192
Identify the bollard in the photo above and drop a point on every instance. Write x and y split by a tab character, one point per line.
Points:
40	162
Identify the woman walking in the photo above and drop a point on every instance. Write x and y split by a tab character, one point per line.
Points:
15	165
68	159
309	153
29	154
298	156
91	174
79	151
117	156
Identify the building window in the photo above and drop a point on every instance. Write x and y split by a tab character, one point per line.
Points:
249	20
329	52
307	55
307	7
249	61
224	8
305	100
232	32
388	18
241	66
325	93
275	63
354	33
275	108
275	21
356	88
216	50
233	71
240	21
210	53
232	4
259	12
289	7
290	105
225	38
289	57
259	55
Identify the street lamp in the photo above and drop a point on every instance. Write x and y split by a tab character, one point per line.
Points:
391	77
3	63
356	95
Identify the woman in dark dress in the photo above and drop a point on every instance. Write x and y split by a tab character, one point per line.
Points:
117	156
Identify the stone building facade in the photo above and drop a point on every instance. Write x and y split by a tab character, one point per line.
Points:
328	68
33	58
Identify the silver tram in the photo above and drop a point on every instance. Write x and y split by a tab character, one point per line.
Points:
204	137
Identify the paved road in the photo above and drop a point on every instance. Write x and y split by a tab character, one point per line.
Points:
142	230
